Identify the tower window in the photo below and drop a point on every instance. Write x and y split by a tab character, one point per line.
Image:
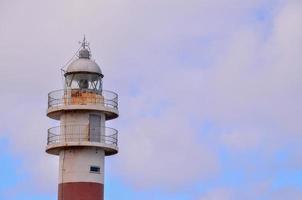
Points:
95	169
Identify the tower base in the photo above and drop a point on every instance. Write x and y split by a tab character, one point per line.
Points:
81	191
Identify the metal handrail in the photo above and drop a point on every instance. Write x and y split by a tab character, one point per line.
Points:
82	133
82	97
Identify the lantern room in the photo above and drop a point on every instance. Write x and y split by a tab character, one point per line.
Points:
84	73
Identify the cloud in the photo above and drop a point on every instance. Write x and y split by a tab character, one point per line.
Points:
291	193
261	190
250	92
164	152
221	193
239	141
176	65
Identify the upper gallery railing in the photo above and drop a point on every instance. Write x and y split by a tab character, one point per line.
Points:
82	97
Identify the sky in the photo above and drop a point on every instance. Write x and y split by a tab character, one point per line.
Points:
209	95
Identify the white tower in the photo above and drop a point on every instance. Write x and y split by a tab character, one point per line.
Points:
82	140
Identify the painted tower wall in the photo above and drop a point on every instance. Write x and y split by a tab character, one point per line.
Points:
81	174
77	181
75	165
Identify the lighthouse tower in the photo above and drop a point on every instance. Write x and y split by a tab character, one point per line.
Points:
82	139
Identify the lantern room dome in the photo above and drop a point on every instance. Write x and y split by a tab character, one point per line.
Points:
83	65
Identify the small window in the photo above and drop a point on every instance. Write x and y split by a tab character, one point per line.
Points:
95	169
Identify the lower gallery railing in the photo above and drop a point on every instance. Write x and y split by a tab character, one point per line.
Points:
82	133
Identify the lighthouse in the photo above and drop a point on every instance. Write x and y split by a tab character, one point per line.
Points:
81	140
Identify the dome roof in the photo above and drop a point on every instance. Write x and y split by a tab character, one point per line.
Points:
83	65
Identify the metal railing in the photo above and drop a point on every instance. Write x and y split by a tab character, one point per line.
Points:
82	133
82	97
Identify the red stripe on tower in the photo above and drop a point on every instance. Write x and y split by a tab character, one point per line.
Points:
81	191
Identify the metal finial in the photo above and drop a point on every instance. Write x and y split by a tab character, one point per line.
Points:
85	51
85	43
